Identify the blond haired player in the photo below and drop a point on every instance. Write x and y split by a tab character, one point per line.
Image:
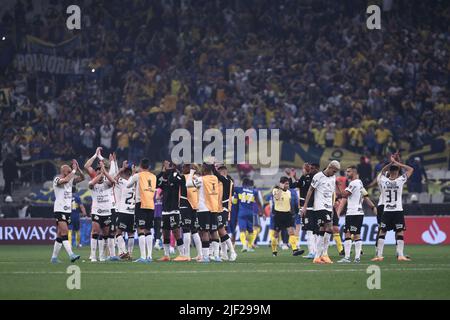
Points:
324	186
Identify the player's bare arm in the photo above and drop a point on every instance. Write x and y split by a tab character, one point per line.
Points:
80	177
308	197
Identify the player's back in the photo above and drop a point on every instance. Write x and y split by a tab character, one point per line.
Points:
246	200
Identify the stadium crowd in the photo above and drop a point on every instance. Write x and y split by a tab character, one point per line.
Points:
310	68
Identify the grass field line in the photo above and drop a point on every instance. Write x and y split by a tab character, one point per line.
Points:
221	271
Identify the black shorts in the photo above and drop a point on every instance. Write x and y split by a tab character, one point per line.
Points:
309	221
62	217
195	226
103	221
215	221
114	217
170	221
353	224
204	220
283	220
125	222
144	217
323	217
393	220
380	210
222	219
187	217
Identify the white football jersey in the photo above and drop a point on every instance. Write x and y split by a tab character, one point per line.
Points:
354	201
101	199
324	187
125	199
63	196
391	191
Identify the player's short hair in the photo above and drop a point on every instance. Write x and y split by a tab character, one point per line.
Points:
315	165
394	168
284	179
222	167
145	163
353	167
207	168
247	182
335	164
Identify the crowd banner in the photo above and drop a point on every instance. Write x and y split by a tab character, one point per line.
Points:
46	57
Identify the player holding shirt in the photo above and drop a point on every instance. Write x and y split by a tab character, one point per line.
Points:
246	198
353	196
144	183
62	186
323	186
393	216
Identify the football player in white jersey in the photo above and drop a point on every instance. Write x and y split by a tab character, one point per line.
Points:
393	217
100	211
62	186
323	186
354	196
125	209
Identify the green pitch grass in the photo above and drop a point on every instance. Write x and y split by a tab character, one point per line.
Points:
25	273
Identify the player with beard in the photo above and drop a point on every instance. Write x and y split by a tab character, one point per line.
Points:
171	183
353	196
62	186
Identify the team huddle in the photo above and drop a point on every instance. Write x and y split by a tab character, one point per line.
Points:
201	205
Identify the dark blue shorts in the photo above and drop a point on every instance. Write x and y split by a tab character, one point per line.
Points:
74	222
245	223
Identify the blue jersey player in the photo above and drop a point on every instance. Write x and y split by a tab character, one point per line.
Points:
77	210
246	197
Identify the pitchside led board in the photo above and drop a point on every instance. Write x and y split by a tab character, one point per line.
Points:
420	230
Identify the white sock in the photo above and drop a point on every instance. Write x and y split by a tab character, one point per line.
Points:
68	247
56	248
111	247
211	248
197	243
93	248
230	245
380	247
187	244
205	252
400	246
166	247
215	247
358	247
149	243
105	246
319	246
326	243
101	248
141	239
121	245
223	248
130	245
309	240
314	243
348	248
